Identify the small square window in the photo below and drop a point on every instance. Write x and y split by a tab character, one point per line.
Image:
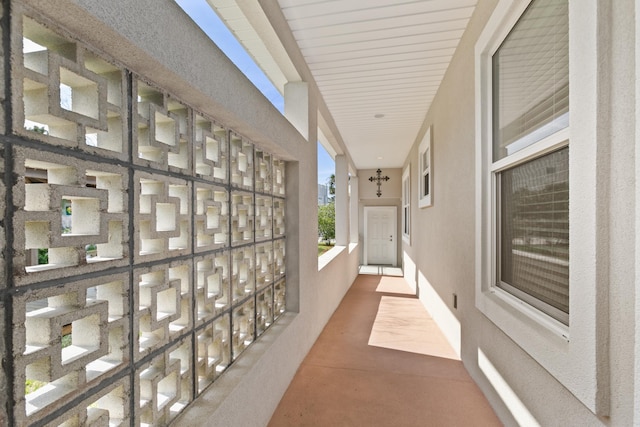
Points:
406	205
425	171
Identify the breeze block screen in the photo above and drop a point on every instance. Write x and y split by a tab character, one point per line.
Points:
144	241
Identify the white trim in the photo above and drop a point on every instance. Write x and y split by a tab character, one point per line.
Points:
394	218
571	359
555	327
406	204
540	148
636	388
426	146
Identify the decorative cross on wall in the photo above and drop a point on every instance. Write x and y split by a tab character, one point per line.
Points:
378	180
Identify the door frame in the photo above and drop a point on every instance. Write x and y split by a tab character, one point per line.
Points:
394	216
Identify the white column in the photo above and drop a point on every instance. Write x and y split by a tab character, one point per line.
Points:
302	191
342	201
296	106
353	214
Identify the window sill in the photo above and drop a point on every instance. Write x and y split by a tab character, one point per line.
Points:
522	313
326	258
424	202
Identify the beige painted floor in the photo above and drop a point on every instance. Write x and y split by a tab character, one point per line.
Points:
382	361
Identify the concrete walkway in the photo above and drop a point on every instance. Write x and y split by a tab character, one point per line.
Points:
382	361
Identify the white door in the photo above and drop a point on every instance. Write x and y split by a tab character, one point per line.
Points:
380	235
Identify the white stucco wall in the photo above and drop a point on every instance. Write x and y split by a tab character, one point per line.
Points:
442	240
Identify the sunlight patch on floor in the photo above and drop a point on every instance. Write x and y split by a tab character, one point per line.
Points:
393	285
403	324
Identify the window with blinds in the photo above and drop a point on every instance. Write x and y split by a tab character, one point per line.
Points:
531	78
406	205
530	105
534	232
425	168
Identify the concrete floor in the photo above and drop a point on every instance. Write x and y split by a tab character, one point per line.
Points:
382	361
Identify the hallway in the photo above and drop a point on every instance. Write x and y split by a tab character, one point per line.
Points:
382	361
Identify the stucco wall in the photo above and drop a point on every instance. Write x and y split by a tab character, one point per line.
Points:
441	257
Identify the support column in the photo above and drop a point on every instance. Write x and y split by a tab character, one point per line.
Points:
302	186
354	201
296	106
342	201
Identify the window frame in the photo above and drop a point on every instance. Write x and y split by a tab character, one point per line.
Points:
568	353
546	146
536	150
406	204
425	147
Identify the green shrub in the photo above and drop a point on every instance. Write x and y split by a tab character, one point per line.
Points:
327	222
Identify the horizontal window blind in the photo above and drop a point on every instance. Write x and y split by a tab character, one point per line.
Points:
534	232
531	78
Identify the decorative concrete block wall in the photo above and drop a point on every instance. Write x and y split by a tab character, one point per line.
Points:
142	242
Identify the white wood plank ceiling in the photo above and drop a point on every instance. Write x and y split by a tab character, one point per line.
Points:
377	63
